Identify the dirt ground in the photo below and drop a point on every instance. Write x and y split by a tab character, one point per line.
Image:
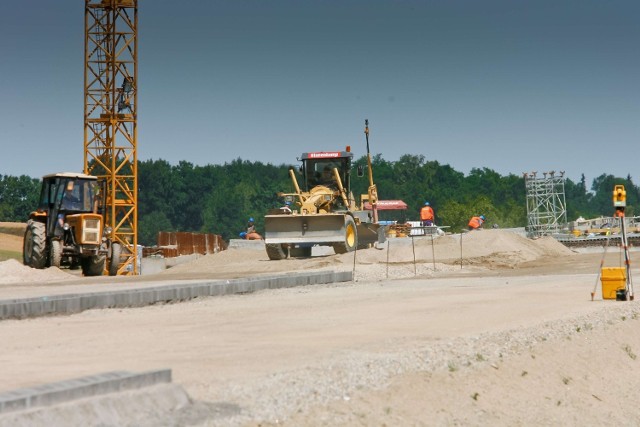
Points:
11	240
496	330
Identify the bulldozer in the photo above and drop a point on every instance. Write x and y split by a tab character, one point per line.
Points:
322	210
68	226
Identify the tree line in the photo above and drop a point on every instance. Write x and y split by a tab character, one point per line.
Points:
221	198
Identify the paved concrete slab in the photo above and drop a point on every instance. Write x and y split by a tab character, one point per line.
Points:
43	303
64	391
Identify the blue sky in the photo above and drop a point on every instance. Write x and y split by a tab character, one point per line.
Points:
514	86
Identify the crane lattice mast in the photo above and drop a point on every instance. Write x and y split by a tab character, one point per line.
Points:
110	116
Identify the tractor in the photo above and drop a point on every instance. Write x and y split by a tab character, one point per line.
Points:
68	226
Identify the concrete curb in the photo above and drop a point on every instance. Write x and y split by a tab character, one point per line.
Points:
76	303
64	391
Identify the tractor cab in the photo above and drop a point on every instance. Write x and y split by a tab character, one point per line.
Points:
64	194
318	167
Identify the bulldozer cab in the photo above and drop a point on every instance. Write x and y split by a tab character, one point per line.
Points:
317	169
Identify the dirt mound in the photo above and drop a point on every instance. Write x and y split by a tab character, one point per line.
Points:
489	247
480	249
11	271
486	249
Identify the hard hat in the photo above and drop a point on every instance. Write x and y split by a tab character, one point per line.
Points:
288	203
243	234
482	217
250	219
426	203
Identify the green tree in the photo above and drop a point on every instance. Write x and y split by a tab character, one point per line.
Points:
150	225
578	200
18	197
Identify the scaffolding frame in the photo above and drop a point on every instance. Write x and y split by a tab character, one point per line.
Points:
110	117
546	203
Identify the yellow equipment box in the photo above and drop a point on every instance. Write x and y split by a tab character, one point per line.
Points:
612	278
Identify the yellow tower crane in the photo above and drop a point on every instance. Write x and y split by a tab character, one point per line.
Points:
110	119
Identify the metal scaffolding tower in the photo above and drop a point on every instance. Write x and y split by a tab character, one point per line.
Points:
110	116
546	206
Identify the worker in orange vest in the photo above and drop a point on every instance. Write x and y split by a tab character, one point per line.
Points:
251	233
476	222
426	215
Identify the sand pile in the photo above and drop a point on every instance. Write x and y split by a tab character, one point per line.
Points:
11	271
480	250
487	247
401	258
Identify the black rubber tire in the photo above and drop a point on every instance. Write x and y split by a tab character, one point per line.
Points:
93	265
55	253
276	252
114	261
350	237
34	246
300	252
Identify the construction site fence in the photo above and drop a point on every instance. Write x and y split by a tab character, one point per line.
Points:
173	243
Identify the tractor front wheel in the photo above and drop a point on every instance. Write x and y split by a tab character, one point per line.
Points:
55	253
93	265
114	262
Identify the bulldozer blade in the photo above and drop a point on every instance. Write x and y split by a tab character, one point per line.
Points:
308	229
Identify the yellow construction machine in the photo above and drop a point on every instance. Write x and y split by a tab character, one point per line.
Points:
68	227
322	211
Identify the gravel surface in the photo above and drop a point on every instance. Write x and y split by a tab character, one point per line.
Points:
508	336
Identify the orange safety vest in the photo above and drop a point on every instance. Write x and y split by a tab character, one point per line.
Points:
475	222
426	213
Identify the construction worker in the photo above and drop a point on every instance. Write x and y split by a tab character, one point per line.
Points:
251	231
70	201
427	215
327	178
286	208
475	223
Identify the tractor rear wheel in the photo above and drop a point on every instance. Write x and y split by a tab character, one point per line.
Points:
34	246
350	237
93	265
276	251
55	253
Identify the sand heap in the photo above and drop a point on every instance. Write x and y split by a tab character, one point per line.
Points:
12	271
491	248
480	250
